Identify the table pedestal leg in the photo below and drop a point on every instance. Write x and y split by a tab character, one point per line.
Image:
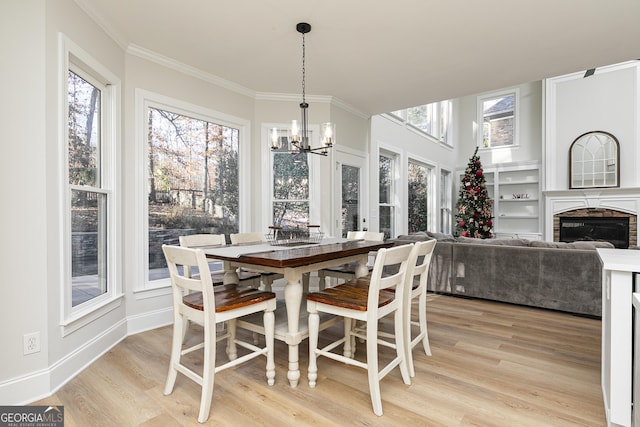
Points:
361	267
230	274
293	299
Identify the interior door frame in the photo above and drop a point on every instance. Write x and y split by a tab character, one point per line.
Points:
349	157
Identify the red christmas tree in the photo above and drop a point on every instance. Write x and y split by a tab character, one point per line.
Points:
474	207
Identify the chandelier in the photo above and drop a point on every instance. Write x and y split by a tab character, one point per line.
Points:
298	134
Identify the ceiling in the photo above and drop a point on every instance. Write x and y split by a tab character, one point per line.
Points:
378	56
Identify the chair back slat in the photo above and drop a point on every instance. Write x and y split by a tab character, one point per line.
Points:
366	235
254	237
181	283
424	251
200	240
395	257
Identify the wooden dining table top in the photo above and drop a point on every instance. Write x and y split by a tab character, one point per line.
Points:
308	254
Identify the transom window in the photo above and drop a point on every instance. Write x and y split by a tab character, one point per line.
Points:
433	119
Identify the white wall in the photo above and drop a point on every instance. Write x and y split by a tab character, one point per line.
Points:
607	101
23	306
529	131
389	134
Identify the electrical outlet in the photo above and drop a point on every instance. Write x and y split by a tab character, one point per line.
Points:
31	343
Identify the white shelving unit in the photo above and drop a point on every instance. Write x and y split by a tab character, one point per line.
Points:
515	190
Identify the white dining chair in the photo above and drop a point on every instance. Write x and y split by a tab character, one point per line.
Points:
348	271
417	290
365	300
205	240
195	300
266	277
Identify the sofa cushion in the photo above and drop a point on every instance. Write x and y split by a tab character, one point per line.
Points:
494	242
589	245
428	235
441	237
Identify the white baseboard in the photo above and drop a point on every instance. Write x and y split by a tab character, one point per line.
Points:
41	384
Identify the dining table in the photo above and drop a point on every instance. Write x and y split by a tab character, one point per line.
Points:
294	261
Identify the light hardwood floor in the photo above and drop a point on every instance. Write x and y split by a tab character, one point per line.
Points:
493	365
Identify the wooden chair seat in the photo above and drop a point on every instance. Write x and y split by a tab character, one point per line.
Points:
229	297
353	295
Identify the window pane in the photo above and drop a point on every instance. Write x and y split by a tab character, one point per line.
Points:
385	177
445	121
350	199
291	214
420	117
498	121
193	181
88	245
84	131
386	220
290	176
445	202
418	197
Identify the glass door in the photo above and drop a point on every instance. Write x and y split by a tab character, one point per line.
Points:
350	192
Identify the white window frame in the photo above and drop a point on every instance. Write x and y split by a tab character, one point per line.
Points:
73	58
145	288
435	111
480	117
267	182
396	211
431	180
446	201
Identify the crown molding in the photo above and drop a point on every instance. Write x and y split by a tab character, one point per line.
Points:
325	99
115	35
188	70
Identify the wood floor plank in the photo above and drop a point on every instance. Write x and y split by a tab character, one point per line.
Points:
492	365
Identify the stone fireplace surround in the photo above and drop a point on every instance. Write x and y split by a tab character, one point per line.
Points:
592	203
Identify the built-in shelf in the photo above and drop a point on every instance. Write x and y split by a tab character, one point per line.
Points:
515	191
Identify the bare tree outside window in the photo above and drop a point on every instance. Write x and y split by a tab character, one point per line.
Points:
290	189
88	203
192	180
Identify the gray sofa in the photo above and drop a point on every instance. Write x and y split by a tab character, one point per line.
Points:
552	275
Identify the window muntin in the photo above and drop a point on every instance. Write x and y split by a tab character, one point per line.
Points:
595	160
88	201
497	115
193	180
418	196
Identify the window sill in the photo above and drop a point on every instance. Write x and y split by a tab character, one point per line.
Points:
86	316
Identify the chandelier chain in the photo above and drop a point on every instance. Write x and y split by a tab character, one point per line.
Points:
303	69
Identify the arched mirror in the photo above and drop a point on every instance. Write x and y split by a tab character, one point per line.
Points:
594	161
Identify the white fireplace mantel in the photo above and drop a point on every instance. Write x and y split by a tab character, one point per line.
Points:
558	201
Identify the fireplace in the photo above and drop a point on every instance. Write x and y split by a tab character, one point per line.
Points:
611	229
596	224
